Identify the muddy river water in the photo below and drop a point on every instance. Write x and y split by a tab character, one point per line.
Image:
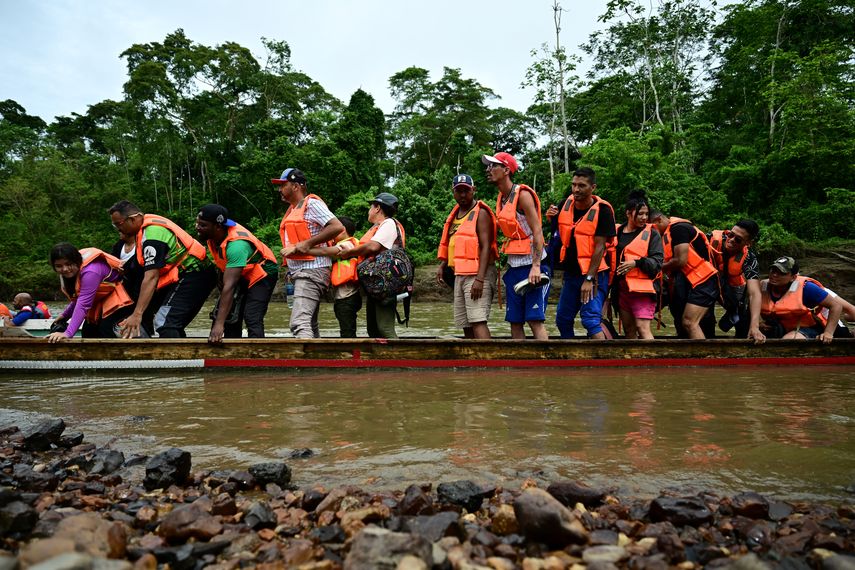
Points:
786	432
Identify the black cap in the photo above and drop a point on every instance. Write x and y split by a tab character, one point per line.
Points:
386	199
216	214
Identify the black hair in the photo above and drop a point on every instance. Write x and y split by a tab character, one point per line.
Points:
749	226
653	213
586	172
388	211
637	199
69	253
348	224
124	208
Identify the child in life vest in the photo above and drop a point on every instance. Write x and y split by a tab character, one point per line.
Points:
348	300
28	309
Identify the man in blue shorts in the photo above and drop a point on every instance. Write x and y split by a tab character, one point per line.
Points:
518	214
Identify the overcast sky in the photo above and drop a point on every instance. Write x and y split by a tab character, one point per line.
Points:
60	56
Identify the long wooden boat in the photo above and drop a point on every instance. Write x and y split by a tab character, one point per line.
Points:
288	353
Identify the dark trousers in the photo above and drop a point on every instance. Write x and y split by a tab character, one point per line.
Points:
253	307
381	318
105	328
345	311
181	302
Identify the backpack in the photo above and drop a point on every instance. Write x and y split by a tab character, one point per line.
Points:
387	275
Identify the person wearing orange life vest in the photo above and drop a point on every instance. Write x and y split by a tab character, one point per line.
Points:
307	223
639	258
346	292
693	278
468	248
28	308
739	278
386	233
177	276
248	273
519	218
92	280
585	226
790	304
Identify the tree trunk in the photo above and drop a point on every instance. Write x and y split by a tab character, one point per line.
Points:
556	17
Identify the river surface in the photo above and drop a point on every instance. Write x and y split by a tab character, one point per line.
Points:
783	431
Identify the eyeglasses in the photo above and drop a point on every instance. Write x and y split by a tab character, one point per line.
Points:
493	165
734	237
118	225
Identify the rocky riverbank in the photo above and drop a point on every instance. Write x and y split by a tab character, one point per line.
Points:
67	504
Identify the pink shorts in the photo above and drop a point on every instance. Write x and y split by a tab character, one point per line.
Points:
639	305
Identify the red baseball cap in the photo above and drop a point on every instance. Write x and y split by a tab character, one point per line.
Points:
502	158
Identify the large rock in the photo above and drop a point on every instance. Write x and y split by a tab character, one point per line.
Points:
464	494
170	467
44	434
189	522
437	526
259	515
751	505
572	492
76	561
680	511
104	462
542	518
415	502
17	516
265	473
29	480
86	533
379	549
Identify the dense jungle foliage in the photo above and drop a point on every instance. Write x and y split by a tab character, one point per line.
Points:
719	114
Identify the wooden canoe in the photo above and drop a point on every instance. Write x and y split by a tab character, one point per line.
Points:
197	353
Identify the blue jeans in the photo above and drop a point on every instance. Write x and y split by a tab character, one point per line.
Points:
569	306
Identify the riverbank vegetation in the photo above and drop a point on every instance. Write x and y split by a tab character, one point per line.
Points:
746	110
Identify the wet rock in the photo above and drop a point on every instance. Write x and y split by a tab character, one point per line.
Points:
793	543
604	554
751	505
779	510
299	552
7	495
265	473
331	533
542	518
178	557
354	521
604	537
259	515
680	511
505	521
70	440
135	460
311	499
104	462
415	502
838	562
243	479
29	480
379	549
464	494
167	468
302	453
75	561
436	526
44	434
17	516
86	533
572	492
224	505
188	522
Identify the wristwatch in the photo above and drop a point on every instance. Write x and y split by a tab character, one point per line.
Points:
589	278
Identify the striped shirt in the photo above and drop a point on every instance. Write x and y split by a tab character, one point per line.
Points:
520	260
317	216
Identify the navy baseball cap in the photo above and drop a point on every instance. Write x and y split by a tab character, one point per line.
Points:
290	175
216	214
462	180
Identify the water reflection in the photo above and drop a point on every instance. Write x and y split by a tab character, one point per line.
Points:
774	431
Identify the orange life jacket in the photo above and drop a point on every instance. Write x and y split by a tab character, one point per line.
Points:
732	268
582	232
344	270
697	269
4	311
637	280
168	274
373	230
790	310
518	242
111	295
296	228
41	307
467	249
253	272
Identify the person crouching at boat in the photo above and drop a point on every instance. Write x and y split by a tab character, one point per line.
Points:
468	249
790	304
28	308
247	278
639	259
739	276
177	276
386	233
693	279
92	280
